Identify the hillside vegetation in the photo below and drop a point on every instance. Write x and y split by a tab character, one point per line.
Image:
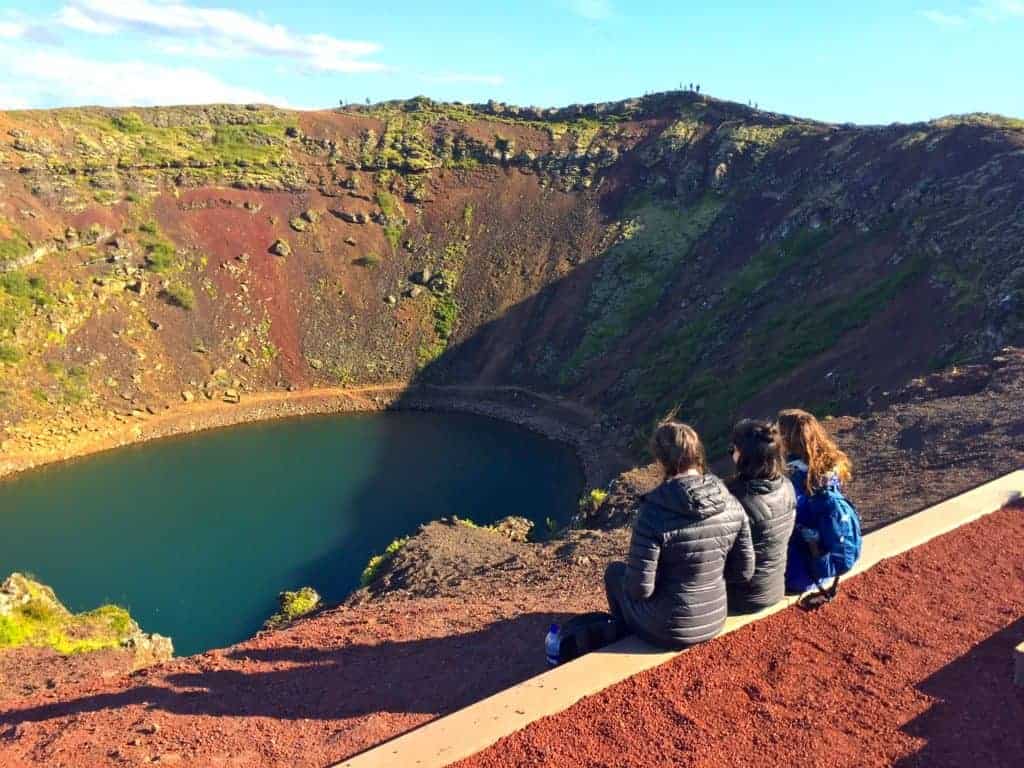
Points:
673	250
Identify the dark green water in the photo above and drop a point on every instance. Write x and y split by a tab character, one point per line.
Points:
196	536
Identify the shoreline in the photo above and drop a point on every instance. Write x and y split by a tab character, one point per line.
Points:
549	416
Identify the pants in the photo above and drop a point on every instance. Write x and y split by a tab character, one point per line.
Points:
614	578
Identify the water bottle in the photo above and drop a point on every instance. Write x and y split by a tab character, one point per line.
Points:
552	646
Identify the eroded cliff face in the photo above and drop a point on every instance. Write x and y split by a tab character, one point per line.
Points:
633	256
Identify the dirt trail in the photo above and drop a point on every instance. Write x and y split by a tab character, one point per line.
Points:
911	666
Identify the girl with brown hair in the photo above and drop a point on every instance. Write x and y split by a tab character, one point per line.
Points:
762	486
689	534
826	541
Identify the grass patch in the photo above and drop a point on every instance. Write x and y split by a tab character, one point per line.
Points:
43	622
181	295
20	295
445	313
9	354
590	502
72	382
14	247
161	255
293	605
377	561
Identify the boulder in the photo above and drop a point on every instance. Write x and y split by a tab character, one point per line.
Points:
350	217
232	396
187	396
438	284
148	649
422	277
298	223
390	300
281	248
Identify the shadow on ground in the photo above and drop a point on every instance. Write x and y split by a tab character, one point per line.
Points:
978	713
429	676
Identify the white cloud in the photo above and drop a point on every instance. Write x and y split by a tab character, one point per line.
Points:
591	9
10	30
997	10
47	78
222	28
72	18
943	19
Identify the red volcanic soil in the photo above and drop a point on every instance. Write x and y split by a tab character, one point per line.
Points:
305	697
911	666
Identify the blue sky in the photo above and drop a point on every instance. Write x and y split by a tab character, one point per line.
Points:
866	62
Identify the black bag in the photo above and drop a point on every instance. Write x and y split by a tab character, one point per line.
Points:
587	632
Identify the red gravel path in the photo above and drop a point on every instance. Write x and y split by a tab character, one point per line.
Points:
911	666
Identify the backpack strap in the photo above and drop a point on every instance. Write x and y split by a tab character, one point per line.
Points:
821	596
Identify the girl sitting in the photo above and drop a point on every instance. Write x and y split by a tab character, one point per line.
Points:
762	487
826	541
689	533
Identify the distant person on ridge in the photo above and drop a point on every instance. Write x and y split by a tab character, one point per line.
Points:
761	485
689	533
826	541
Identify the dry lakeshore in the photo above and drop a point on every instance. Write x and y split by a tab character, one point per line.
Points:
551	417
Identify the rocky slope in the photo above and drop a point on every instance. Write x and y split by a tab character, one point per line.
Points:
674	249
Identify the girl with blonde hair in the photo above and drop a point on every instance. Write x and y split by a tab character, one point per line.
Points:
826	540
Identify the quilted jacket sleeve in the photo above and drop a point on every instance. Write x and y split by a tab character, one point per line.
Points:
644	551
740	562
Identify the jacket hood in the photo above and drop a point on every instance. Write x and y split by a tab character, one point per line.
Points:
697	496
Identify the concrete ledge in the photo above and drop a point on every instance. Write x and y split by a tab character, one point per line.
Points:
1018	665
478	726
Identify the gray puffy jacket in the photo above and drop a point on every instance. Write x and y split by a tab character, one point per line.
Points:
771	510
690	532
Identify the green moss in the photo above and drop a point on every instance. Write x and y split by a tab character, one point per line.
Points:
20	295
161	255
44	623
14	247
635	272
377	561
388	204
464	163
181	295
9	354
130	122
294	605
393	231
445	312
72	382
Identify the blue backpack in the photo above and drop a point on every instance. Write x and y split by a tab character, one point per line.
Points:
840	530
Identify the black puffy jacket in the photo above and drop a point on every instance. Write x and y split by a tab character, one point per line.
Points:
689	533
771	510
